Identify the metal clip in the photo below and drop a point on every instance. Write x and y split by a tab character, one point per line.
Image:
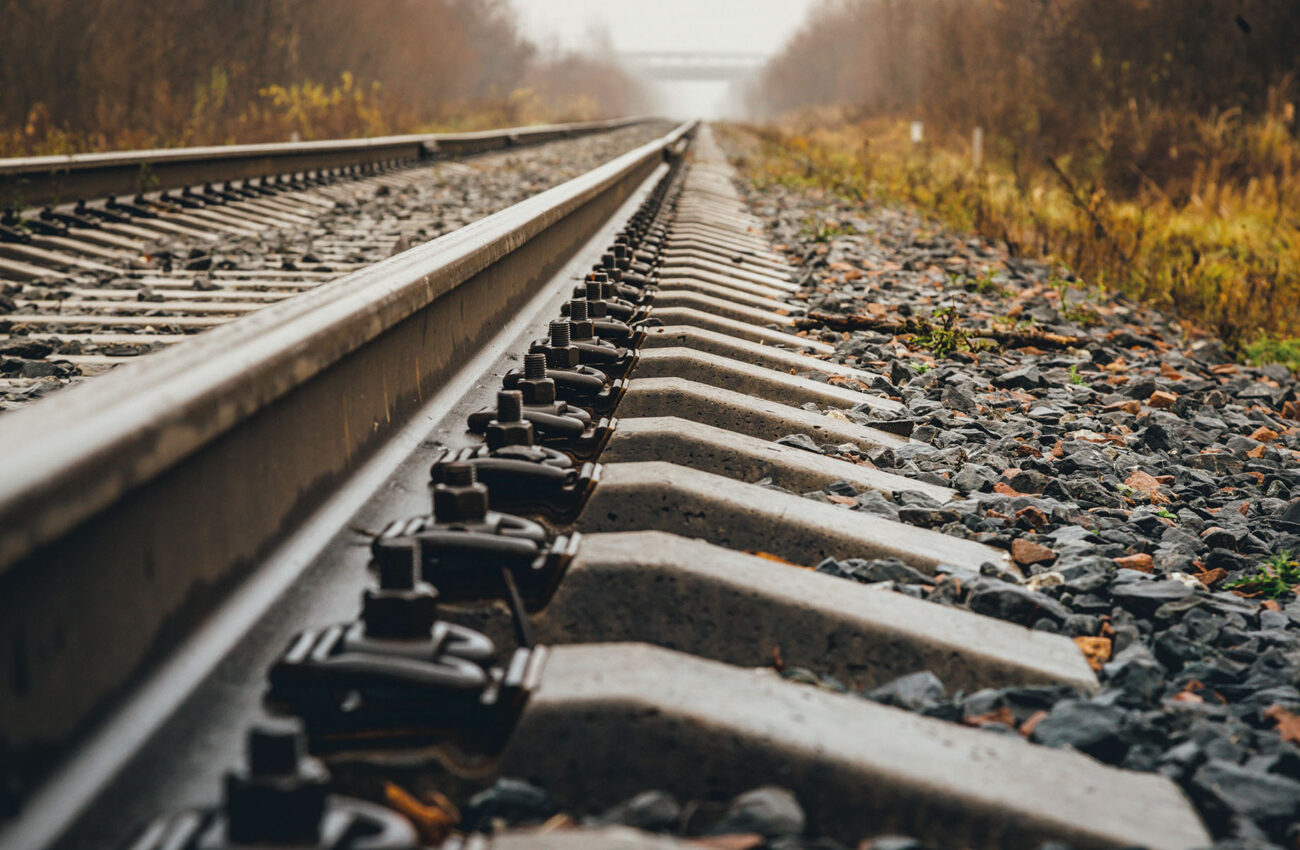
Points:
521	477
472	553
610	316
553	421
280	800
578	334
398	676
582	386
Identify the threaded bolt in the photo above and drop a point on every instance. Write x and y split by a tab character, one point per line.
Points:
510	403
577	310
459	475
560	334
606	290
534	366
600	277
593	290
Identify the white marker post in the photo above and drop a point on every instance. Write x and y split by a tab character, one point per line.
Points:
977	148
918	133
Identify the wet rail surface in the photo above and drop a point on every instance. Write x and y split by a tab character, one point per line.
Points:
570	555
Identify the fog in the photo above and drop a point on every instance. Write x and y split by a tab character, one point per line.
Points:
757	28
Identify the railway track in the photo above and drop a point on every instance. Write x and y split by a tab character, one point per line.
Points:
209	234
594	388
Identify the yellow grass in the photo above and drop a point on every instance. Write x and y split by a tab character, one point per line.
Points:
1223	252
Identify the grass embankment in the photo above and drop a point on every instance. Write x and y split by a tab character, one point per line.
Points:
1222	250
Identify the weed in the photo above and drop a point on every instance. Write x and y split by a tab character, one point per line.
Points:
1080	314
1268	349
1165	513
819	231
943	338
1014	322
984	284
1278	577
1077	379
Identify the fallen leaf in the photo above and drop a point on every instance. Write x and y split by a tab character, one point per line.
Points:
841	500
1096	650
998	715
433	820
1264	434
1146	484
768	556
1027	728
1162	400
1003	489
1288	724
1131	406
1210	577
1142	562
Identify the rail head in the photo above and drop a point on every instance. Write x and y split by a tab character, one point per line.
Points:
41	180
89	445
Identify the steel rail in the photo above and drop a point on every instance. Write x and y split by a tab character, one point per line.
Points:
41	180
119	517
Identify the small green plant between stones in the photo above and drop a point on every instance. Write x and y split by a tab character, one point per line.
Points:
1278	577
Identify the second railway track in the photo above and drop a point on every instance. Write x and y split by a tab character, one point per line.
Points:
610	575
89	285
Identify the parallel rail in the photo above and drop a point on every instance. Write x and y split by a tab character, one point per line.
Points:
44	180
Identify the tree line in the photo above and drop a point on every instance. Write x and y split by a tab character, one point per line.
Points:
1135	80
80	74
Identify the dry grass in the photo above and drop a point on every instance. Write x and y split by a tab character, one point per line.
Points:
1219	244
305	111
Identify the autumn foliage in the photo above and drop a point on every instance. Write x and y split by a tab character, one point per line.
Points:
1149	145
96	74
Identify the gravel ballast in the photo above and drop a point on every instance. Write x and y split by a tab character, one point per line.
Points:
1145	483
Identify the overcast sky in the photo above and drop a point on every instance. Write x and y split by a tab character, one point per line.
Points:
728	26
759	26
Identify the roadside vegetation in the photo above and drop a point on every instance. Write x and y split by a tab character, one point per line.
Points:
139	73
1158	158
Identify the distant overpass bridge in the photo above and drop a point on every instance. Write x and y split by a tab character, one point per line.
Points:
670	65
